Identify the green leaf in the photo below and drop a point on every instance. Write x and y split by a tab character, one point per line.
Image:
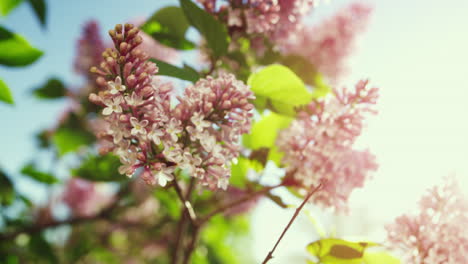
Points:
100	168
167	69
279	89
265	132
168	26
31	171
239	171
214	32
52	89
7	192
40	9
42	248
71	135
15	50
7	5
5	93
69	140
380	258
169	201
339	251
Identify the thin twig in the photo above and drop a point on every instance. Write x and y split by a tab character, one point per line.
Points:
188	209
296	213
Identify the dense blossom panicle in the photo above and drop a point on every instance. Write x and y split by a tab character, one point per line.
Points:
318	146
326	45
90	46
215	110
437	233
83	198
200	135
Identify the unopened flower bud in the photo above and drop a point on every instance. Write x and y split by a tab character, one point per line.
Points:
95	99
226	105
131	80
118	28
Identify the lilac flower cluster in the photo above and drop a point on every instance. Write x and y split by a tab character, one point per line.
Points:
200	135
326	45
436	235
318	146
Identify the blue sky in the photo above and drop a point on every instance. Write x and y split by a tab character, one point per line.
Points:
415	51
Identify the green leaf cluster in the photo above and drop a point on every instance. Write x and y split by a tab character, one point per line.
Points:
339	251
212	30
100	168
168	26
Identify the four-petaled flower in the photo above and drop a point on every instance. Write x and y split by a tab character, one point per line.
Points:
155	134
199	122
113	106
134	99
138	126
116	87
164	175
173	129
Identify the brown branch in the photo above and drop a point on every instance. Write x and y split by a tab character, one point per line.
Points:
187	213
191	246
104	214
296	213
187	206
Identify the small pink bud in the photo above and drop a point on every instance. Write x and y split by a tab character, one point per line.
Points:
208	107
147	91
131	80
118	28
124	118
226	105
124	48
101	81
141	156
95	99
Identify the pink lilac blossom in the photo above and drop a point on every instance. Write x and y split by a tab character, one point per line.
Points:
83	198
90	46
318	146
200	135
437	233
328	44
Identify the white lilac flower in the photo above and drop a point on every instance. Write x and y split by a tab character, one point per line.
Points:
112	106
138	126
116	86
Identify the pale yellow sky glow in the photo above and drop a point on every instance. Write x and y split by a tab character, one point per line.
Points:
417	53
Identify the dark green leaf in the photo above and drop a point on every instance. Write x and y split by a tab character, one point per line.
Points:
42	248
167	69
169	201
7	192
31	171
5	94
69	140
40	9
214	32
71	135
100	168
168	26
7	5
15	50
43	139
52	89
279	89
